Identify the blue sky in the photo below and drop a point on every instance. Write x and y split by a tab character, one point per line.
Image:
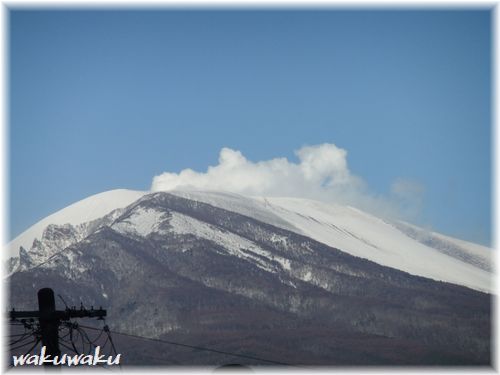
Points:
108	99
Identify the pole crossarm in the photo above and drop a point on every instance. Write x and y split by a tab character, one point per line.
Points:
66	314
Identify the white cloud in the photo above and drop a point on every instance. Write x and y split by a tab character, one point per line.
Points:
321	173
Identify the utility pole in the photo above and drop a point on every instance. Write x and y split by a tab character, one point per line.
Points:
49	322
50	319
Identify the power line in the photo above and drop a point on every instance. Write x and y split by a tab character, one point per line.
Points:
27	343
50	319
24	338
33	347
197	347
20	334
48	324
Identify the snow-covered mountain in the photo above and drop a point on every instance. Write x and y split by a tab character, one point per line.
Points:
287	279
397	245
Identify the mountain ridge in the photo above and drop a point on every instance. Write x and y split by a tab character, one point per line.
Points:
400	245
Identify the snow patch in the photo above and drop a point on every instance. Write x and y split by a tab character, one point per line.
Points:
234	244
142	222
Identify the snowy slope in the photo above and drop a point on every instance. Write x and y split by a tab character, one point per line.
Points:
143	222
83	211
367	236
360	234
247	206
459	249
